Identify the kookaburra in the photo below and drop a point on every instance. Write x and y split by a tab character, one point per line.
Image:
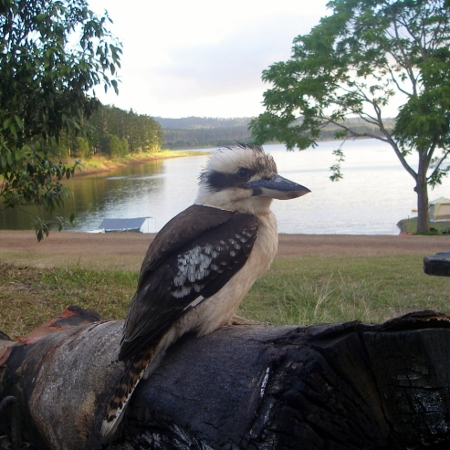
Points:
202	263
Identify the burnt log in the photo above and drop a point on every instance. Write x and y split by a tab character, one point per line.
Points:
328	386
438	264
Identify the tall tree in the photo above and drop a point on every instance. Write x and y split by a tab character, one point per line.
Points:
358	62
52	55
141	133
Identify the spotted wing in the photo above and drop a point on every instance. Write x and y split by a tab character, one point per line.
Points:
183	272
182	229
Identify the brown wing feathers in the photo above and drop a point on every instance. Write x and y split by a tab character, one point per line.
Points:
200	267
195	220
190	259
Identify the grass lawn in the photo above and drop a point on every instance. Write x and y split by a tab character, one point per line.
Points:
297	290
372	289
410	226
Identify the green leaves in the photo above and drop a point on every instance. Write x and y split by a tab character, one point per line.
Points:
336	167
31	177
359	62
117	132
42	227
43	77
52	54
354	63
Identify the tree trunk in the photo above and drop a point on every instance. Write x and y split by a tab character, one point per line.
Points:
341	386
423	224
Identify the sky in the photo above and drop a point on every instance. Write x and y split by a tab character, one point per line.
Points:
201	58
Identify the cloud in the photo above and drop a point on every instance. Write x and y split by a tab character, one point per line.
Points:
223	79
203	59
234	64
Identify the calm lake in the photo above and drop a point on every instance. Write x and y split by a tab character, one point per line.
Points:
374	195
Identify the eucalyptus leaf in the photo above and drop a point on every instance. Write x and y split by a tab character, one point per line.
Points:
349	74
51	58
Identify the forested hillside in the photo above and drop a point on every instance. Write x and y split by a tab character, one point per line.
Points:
196	132
201	122
112	132
136	132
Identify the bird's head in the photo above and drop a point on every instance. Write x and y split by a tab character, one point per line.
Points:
244	178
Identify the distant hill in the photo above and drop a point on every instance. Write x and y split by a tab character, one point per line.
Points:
198	132
204	132
191	123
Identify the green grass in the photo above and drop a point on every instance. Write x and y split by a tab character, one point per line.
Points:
297	290
307	290
31	296
410	226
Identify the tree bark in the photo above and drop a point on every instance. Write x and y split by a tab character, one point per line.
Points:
328	386
423	223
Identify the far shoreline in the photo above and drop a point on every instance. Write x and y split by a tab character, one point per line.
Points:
100	164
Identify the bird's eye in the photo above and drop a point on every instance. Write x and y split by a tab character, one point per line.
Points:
243	173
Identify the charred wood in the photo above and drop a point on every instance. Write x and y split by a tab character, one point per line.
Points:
328	386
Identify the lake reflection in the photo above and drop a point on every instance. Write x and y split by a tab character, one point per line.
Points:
374	195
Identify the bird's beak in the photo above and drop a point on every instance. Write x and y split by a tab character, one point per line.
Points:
277	187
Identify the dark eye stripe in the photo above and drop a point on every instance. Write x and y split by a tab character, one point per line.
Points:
219	181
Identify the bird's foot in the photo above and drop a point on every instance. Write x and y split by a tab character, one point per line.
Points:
237	320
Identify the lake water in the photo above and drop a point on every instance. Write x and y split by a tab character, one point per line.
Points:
374	195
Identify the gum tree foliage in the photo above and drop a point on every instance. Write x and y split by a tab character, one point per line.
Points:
113	132
137	132
52	55
357	62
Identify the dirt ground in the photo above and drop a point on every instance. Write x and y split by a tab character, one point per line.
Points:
136	244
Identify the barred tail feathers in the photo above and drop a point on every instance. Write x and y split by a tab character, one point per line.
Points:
136	367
